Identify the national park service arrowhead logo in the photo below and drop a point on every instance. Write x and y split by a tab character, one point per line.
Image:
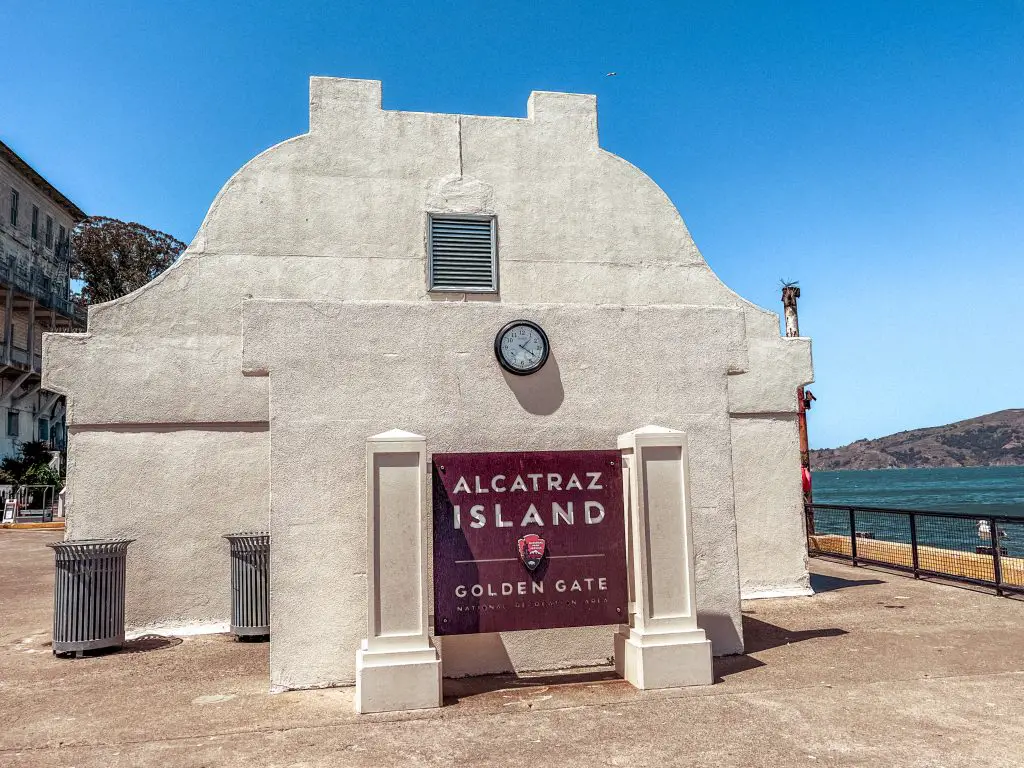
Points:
531	550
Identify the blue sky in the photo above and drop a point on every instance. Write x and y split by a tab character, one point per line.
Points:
874	151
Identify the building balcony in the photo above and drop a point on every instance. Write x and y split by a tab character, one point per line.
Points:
20	359
44	290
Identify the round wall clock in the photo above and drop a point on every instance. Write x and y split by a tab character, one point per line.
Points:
521	347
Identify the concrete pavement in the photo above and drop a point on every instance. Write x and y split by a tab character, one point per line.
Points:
875	670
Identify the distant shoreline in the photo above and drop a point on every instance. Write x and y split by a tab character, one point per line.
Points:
992	440
901	469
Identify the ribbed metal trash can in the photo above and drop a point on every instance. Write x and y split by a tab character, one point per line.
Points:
88	594
250	584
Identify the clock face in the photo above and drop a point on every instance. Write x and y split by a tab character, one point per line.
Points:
521	347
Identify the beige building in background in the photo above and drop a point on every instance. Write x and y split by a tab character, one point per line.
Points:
35	261
350	281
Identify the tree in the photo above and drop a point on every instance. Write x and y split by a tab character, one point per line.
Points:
114	257
30	466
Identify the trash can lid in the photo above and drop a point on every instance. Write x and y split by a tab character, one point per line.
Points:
86	549
87	543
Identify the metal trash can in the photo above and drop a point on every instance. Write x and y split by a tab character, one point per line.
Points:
250	584
88	594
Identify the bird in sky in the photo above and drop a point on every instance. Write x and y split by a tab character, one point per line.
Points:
611	74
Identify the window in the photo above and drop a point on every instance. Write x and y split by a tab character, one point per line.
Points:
35	222
12	423
44	429
462	254
62	243
14	208
49	231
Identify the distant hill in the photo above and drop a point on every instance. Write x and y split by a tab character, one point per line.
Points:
996	439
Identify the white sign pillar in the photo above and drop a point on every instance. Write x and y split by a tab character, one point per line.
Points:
662	646
397	667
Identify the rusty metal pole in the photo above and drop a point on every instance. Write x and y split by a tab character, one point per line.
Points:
790	293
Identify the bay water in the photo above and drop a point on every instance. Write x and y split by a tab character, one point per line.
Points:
975	491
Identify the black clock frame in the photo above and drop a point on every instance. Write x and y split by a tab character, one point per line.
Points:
501	360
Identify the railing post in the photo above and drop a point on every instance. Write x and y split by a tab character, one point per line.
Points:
913	543
853	536
997	565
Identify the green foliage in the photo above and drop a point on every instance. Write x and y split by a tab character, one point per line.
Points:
41	474
29	467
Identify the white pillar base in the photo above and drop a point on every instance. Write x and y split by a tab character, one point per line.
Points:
390	681
665	660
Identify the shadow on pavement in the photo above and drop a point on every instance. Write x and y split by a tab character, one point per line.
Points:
820	583
761	636
757	636
142	644
148	643
730	665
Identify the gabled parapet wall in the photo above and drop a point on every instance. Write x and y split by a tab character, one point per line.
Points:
169	439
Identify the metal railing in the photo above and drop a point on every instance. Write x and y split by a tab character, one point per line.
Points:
987	550
51	293
36	502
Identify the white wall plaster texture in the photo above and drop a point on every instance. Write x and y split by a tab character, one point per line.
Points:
433	371
159	408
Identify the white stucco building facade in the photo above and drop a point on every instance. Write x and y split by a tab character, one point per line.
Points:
197	405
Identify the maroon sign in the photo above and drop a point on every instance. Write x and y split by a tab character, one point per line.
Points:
528	541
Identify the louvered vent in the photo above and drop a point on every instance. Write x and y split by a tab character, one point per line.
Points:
463	256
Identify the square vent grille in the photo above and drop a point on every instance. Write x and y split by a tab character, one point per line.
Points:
462	254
